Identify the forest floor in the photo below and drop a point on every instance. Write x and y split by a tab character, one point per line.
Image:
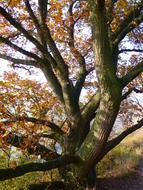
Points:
133	181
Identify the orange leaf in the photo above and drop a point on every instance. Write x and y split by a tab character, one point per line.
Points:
13	3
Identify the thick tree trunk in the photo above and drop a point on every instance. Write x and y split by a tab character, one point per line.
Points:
91	180
110	88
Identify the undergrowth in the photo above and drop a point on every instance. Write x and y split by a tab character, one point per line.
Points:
123	159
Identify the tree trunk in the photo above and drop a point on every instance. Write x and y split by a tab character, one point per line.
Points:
91	180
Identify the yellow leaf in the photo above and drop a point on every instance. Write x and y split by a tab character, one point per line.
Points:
13	164
13	3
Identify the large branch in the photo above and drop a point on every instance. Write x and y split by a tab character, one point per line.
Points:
42	5
131	75
31	167
65	84
32	15
51	125
19	61
114	142
78	56
89	109
88	113
53	80
60	66
136	22
125	95
36	21
19	49
106	74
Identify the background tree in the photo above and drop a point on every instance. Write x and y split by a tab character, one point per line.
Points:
79	46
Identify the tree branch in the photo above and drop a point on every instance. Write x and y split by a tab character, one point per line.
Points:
131	75
131	50
19	61
128	19
129	92
62	69
43	10
19	49
124	96
47	38
52	79
20	28
114	142
32	15
126	29
36	22
46	54
31	167
64	90
88	114
89	109
51	125
23	142
76	54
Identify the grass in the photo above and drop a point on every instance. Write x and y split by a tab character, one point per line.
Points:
124	158
22	183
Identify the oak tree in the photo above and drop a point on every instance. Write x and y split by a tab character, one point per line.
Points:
90	52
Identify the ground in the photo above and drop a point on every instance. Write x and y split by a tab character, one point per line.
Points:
134	181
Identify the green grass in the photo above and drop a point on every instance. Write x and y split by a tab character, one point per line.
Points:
123	159
22	183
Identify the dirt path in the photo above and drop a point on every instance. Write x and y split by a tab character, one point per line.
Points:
132	182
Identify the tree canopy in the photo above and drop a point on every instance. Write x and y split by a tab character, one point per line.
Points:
90	53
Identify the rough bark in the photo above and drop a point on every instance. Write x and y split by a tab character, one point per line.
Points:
110	89
90	143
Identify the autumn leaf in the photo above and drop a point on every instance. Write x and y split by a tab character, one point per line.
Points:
13	3
13	164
